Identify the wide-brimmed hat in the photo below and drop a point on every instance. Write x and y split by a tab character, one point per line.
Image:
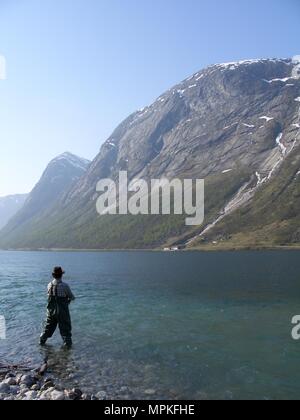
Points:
58	272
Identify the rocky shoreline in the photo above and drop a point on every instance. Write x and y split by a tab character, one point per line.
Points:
32	385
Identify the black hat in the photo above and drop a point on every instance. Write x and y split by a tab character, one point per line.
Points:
58	272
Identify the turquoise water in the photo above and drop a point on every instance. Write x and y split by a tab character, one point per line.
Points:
182	325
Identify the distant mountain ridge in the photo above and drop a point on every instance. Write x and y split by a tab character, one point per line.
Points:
59	176
237	125
9	206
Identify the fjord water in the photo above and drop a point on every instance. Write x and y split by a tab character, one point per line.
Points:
162	325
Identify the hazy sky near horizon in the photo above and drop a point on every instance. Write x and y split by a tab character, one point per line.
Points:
77	68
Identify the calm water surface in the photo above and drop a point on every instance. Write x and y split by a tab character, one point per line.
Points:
182	325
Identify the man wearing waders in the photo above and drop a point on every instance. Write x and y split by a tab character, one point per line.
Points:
59	298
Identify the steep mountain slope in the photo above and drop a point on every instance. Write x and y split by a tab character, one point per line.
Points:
270	218
59	176
9	206
236	125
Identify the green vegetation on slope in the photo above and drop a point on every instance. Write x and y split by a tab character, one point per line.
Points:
272	218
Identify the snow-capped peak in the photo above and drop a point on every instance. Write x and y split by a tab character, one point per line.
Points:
236	64
73	160
296	69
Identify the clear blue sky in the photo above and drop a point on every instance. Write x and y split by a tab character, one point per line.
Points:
77	68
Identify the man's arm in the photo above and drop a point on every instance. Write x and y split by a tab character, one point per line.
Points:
69	293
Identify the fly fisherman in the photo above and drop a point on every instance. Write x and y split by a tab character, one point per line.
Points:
59	298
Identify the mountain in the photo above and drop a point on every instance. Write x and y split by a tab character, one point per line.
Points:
59	176
237	125
9	206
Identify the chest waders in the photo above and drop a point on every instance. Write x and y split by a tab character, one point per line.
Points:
58	314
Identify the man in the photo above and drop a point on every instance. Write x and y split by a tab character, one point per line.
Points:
59	298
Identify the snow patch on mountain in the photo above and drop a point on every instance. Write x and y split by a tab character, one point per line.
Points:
284	80
280	144
72	160
111	143
260	179
296	59
296	69
266	118
236	64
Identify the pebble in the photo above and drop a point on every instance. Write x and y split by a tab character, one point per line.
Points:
74	394
47	385
102	395
57	395
15	390
10	381
27	380
150	392
30	395
17	386
86	397
18	377
4	388
46	395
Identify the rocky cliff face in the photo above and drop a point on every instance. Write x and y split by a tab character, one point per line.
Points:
234	124
223	113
